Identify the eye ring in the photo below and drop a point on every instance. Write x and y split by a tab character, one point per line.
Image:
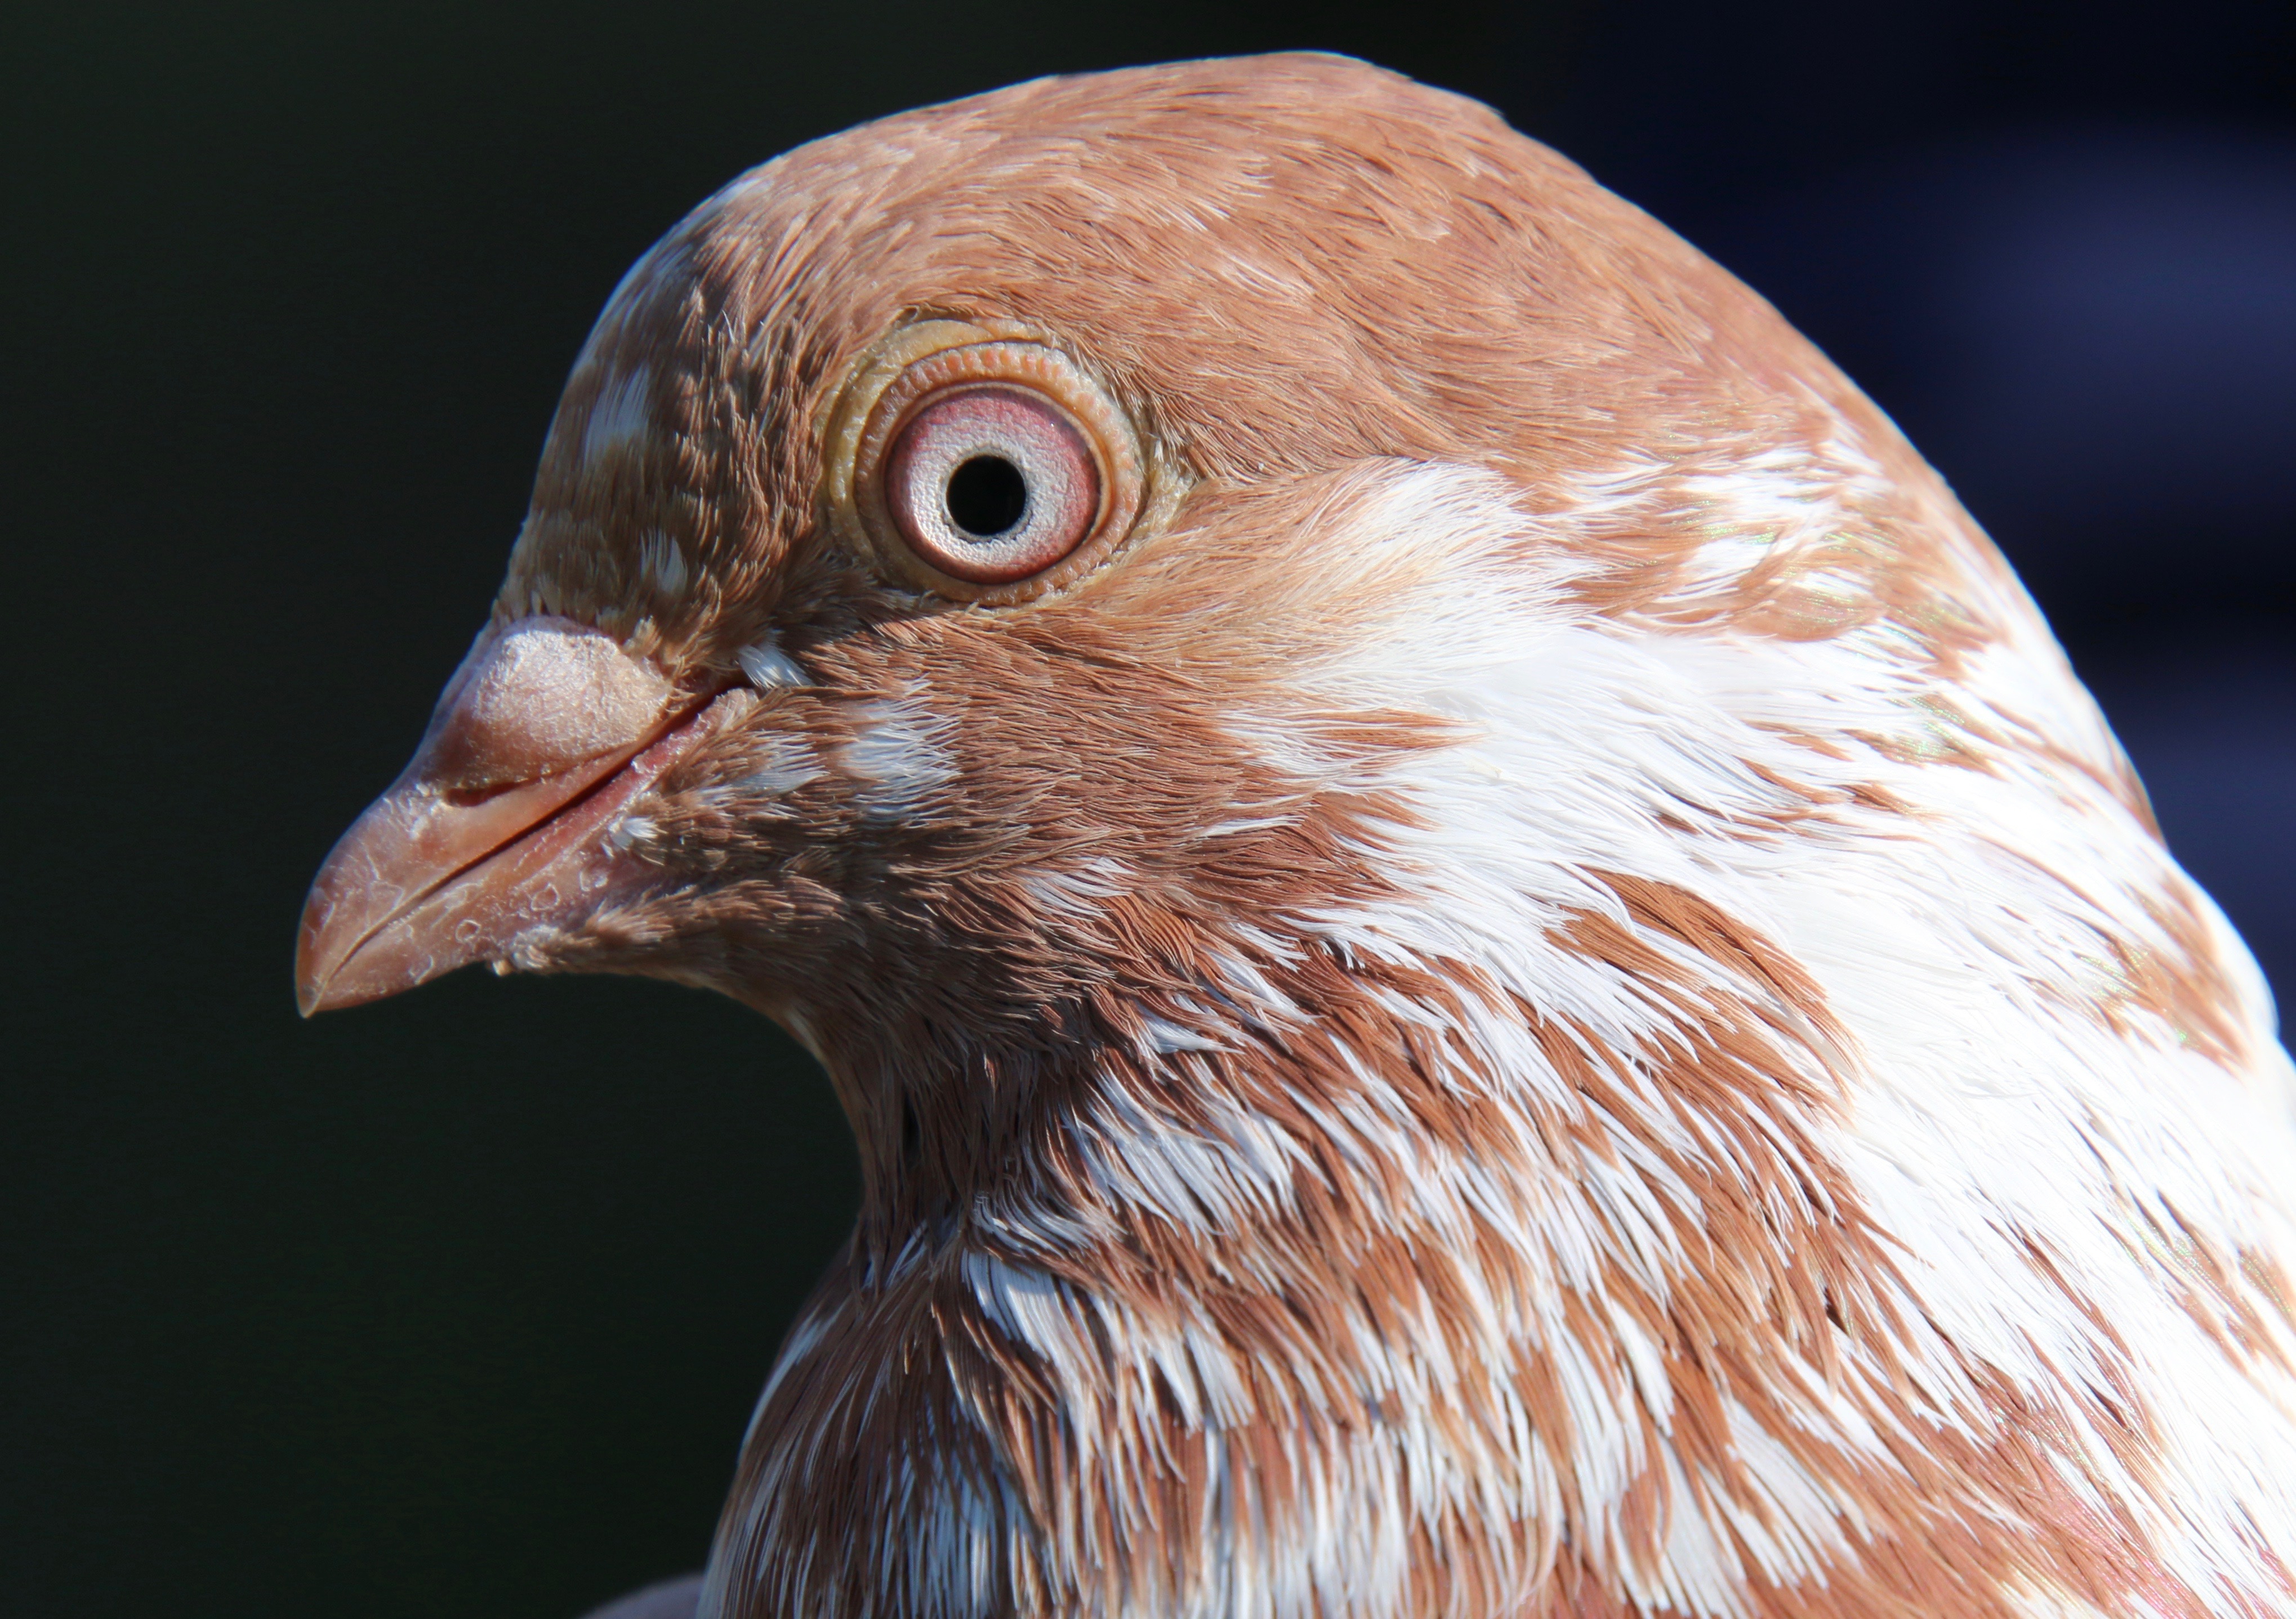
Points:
914	446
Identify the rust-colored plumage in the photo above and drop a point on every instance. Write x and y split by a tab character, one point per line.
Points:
1518	985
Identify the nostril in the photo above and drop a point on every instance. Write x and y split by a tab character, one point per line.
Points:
465	798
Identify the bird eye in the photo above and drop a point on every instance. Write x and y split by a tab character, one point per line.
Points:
988	471
990	484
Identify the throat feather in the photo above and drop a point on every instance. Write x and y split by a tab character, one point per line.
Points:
1398	1291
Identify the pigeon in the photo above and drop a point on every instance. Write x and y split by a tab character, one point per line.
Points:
1484	962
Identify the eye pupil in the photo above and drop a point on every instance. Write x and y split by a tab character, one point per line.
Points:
987	496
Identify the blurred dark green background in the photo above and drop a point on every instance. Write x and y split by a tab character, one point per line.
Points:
456	1305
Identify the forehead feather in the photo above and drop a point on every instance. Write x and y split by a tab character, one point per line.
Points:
1298	259
1283	265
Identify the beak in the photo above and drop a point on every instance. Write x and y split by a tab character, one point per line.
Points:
499	825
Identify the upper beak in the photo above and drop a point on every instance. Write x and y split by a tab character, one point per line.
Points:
498	826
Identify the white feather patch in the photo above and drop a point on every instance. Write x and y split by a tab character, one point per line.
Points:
621	416
901	758
766	666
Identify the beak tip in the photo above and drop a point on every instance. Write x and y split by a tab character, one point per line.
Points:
311	970
310	985
314	993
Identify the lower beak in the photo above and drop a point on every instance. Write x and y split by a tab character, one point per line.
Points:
493	834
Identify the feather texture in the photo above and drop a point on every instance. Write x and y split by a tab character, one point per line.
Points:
1544	998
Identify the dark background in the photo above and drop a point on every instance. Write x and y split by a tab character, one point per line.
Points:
455	1305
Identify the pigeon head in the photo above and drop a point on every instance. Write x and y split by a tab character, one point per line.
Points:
966	521
944	610
1409	831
